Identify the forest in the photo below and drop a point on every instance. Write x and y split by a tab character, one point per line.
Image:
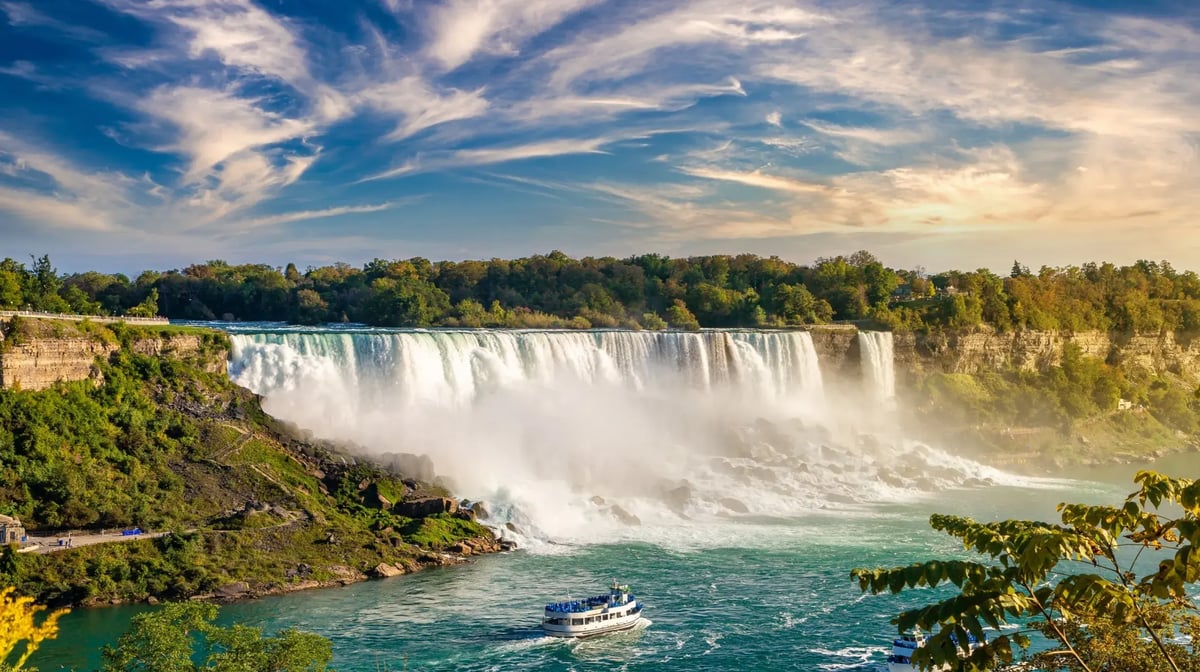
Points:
648	291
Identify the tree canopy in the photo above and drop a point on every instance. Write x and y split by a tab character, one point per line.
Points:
173	638
647	291
1106	588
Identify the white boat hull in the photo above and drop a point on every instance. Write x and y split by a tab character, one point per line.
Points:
581	631
598	615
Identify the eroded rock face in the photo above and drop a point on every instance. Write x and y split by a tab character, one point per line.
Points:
42	362
985	349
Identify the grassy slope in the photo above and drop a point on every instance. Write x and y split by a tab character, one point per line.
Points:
166	445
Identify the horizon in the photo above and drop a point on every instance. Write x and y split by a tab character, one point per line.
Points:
154	135
919	268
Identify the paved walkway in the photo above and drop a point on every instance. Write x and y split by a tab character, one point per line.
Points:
49	544
5	315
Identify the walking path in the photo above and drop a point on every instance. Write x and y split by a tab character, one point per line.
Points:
5	315
49	544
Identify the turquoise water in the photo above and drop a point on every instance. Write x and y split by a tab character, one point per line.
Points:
671	427
751	593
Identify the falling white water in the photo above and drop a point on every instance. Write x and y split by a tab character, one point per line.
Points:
571	432
878	364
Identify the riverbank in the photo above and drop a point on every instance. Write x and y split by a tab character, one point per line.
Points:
153	435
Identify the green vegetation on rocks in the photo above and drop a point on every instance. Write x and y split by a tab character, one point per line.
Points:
1081	409
165	444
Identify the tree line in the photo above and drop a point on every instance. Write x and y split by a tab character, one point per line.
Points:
646	291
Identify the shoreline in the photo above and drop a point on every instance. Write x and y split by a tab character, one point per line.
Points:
297	581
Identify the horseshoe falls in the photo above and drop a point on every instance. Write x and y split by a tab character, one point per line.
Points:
759	472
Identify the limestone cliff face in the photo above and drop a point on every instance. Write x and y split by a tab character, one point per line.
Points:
986	349
837	347
42	362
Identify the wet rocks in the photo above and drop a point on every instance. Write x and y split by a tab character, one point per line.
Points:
734	505
624	516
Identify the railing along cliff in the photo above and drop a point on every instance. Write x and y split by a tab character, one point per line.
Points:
6	315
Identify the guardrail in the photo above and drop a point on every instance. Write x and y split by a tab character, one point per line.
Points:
102	319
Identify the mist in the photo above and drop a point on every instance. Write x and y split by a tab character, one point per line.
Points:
578	434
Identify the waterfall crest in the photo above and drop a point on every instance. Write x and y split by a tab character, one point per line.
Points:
548	423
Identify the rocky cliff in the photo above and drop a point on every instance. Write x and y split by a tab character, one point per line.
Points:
35	355
986	349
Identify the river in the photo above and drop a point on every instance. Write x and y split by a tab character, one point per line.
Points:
760	481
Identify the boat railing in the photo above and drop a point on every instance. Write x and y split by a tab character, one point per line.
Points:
580	606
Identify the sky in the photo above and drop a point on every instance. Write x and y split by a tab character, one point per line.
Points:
157	133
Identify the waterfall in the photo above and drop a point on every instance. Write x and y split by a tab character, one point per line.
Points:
545	424
453	368
879	374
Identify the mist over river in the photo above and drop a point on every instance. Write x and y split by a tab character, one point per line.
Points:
758	480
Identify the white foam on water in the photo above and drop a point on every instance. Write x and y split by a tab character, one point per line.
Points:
857	656
569	435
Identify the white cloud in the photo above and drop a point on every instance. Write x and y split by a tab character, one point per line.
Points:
239	33
215	125
775	118
628	49
460	29
420	107
463	158
303	215
759	179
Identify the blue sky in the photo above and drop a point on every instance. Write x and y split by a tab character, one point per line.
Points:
156	133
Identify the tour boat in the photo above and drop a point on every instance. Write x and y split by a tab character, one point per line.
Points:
618	610
906	644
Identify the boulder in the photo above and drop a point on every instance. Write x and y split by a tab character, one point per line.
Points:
232	590
737	506
385	570
677	498
624	516
465	514
373	500
427	506
481	512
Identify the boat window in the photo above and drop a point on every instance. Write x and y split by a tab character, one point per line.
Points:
576	621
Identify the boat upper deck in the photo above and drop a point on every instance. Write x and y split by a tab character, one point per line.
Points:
586	604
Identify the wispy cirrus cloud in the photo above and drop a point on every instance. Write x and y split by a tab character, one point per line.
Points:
793	118
460	29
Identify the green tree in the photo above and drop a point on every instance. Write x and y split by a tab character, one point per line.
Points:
653	322
171	638
147	308
310	307
679	317
1099	614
